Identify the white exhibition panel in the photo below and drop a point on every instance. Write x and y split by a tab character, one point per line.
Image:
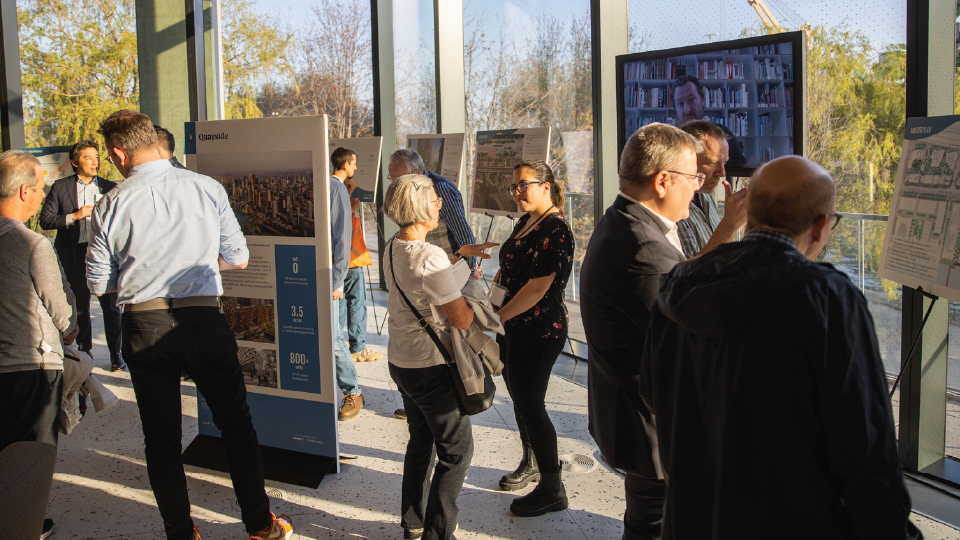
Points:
275	172
497	152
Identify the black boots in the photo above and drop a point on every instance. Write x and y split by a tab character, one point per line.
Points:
548	496
527	472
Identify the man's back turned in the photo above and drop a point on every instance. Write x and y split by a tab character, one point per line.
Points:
764	373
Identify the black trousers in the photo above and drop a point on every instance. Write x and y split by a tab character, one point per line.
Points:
157	345
30	406
644	513
527	366
76	270
438	428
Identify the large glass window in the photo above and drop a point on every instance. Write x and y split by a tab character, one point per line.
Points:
856	105
415	69
76	70
527	64
299	58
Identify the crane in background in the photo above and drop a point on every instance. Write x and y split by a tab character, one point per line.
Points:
770	21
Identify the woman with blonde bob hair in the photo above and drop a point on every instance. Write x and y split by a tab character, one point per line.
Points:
435	419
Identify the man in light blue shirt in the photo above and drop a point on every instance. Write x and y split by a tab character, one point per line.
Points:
161	239
341	235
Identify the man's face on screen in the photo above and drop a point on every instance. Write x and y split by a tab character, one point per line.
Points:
688	102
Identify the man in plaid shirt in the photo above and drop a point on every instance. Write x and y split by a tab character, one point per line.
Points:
696	230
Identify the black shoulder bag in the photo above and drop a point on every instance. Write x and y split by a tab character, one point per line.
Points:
472	403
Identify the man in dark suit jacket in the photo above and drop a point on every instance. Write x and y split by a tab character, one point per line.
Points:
633	244
67	209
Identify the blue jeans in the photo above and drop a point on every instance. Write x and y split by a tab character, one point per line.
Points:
353	309
346	372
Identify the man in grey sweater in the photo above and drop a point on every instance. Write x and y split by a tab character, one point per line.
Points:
37	313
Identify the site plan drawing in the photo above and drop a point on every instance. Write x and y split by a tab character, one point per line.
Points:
922	244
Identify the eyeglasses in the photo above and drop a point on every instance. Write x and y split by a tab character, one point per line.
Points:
836	219
698	178
110	160
438	201
521	187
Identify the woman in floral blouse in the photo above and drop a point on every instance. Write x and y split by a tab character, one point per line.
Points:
535	264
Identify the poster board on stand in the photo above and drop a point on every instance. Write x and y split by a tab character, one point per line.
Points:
275	173
55	161
442	154
497	152
922	244
367	175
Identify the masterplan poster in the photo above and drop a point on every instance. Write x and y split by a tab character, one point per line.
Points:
274	171
367	174
55	161
922	245
497	153
442	154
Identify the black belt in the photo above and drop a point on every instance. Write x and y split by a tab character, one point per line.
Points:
174	303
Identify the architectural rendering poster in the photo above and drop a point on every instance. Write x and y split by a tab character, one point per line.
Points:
368	164
922	245
497	153
442	154
55	161
275	173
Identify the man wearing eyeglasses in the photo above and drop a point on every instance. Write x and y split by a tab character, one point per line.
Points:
452	232
696	230
635	242
764	373
67	209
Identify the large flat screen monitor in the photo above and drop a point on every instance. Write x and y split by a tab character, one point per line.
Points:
752	87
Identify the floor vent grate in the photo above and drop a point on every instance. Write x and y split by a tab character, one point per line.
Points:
578	463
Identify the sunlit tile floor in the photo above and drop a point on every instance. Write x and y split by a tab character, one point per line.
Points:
101	490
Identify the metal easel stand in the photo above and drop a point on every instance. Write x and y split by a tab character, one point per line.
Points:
373	300
916	340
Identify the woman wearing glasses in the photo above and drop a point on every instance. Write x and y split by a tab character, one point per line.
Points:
535	264
422	273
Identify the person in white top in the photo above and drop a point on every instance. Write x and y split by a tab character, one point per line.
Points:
425	276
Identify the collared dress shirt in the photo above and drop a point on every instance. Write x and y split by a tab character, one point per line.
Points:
87	195
159	235
452	215
669	228
696	230
341	231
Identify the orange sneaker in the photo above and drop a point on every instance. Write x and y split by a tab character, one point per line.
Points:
279	529
196	533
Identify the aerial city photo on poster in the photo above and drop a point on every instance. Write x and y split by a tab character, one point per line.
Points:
251	319
271	193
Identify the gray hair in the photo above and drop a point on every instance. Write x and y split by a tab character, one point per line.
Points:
703	130
17	168
411	159
407	200
653	148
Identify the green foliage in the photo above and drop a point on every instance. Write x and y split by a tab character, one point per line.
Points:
78	64
255	50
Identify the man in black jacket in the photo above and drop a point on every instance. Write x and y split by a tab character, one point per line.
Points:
67	209
633	244
763	371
